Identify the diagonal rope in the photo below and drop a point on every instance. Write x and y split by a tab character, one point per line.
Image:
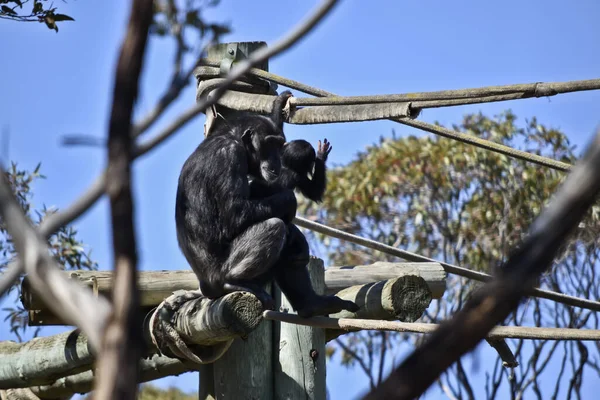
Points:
450	268
459	136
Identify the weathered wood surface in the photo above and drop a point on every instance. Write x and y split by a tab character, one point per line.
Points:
203	322
63	354
246	370
404	299
300	351
338	278
155	286
152	368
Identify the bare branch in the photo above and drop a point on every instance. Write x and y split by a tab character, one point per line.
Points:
122	346
94	192
65	298
53	223
493	302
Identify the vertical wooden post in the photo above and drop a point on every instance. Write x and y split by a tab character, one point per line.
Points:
225	55
206	390
300	351
275	362
246	369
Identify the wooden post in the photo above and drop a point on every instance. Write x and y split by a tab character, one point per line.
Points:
245	371
299	351
226	54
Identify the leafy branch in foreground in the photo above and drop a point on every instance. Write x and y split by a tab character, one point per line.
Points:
40	11
64	245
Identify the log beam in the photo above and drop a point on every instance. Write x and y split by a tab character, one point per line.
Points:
155	286
201	322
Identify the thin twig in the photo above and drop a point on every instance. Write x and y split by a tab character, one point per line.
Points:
64	297
493	302
498	332
178	82
118	363
450	268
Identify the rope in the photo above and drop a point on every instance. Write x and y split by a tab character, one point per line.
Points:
465	138
499	332
459	136
450	268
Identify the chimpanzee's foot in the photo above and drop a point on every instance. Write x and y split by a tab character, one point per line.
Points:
168	341
325	305
265	298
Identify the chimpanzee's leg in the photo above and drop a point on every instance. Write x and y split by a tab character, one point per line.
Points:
294	280
251	259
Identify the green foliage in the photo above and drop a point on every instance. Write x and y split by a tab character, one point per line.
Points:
172	18
36	11
412	192
151	392
467	206
64	246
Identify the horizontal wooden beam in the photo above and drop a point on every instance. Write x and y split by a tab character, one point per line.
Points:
155	286
405	298
208	325
338	278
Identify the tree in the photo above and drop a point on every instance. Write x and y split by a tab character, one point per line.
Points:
470	207
39	11
64	245
171	19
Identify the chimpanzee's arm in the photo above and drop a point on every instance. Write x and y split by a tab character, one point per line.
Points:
314	188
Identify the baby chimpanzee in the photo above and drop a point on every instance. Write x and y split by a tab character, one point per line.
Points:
298	160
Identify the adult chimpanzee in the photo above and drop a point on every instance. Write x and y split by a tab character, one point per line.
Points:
233	242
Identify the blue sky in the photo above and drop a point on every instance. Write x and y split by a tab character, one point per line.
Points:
56	84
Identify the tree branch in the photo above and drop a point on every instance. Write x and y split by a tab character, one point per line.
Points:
94	192
122	345
64	297
493	302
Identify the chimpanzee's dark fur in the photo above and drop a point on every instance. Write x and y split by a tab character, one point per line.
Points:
234	242
297	159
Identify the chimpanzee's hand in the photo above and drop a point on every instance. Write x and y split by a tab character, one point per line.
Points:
324	150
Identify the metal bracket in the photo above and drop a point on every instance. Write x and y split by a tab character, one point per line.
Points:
229	58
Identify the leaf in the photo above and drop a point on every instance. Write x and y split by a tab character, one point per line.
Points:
8	10
62	17
37	8
49	20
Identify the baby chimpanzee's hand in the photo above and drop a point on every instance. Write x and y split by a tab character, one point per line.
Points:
324	150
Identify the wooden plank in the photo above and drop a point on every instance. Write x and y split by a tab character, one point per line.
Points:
338	278
155	286
405	298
